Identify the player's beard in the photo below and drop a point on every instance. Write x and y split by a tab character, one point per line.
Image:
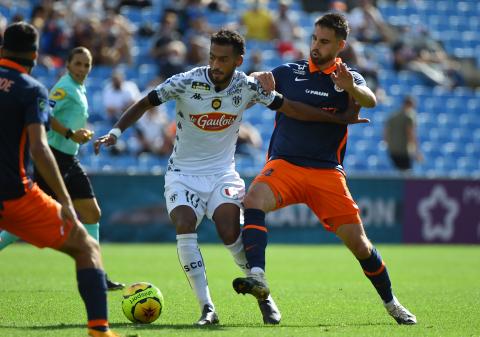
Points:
320	60
223	80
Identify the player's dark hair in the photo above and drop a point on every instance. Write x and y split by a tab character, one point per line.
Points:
77	50
336	21
20	37
226	37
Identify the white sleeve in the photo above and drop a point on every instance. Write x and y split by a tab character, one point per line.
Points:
173	87
259	95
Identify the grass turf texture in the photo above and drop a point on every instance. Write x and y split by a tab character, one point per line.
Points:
320	290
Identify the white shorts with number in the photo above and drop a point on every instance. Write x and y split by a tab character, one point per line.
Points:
203	193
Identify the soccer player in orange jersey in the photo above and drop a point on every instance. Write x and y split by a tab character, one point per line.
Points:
25	210
305	163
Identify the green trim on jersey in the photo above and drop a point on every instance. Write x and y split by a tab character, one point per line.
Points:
71	109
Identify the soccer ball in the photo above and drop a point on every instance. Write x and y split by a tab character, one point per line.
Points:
142	302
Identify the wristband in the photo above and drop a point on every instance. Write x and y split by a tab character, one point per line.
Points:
69	133
116	132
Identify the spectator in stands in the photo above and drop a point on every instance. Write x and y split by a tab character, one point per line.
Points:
55	38
174	61
116	37
258	22
256	62
197	51
3	26
368	25
167	32
153	133
249	141
400	136
287	31
417	51
118	95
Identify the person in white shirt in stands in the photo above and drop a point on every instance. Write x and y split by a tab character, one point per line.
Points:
118	95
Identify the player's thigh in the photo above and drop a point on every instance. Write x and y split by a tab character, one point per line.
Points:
36	219
228	188
278	185
329	198
187	191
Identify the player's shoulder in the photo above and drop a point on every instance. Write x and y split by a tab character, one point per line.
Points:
31	86
61	89
298	67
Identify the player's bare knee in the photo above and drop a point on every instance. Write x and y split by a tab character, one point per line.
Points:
90	215
185	226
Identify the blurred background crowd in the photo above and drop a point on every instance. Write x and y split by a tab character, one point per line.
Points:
421	57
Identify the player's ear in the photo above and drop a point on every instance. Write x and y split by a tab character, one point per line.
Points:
342	44
34	55
239	60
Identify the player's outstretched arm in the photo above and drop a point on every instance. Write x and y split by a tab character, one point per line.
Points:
80	136
128	118
305	112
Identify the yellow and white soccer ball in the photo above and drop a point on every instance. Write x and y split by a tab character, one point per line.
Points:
142	302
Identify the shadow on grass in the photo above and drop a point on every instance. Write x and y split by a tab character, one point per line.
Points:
220	327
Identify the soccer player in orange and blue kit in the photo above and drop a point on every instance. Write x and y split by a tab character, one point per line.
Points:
25	210
305	163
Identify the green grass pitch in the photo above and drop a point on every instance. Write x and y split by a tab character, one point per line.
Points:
320	290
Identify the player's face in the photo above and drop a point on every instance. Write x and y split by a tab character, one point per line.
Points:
325	46
79	67
223	62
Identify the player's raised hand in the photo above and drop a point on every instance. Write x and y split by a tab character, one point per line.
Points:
266	79
82	136
106	140
342	77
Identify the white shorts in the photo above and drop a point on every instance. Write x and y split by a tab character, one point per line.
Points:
203	193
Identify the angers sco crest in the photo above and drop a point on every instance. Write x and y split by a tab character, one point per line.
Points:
216	103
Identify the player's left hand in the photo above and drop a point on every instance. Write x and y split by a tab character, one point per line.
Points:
342	78
266	79
106	140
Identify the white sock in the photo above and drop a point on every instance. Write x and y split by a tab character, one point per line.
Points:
238	253
192	264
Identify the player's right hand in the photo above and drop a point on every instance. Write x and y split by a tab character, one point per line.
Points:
106	140
68	213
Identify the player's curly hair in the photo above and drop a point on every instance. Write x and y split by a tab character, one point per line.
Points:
229	37
336	21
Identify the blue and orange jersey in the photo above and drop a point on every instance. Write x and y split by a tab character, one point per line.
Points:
23	101
310	144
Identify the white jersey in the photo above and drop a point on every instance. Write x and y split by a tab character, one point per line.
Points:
207	120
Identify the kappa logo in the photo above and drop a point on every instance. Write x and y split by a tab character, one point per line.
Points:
213	121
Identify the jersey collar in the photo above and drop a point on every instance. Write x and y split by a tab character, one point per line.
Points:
13	65
314	69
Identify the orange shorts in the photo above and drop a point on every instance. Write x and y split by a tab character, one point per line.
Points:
324	191
35	218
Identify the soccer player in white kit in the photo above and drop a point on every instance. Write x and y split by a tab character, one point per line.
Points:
201	178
